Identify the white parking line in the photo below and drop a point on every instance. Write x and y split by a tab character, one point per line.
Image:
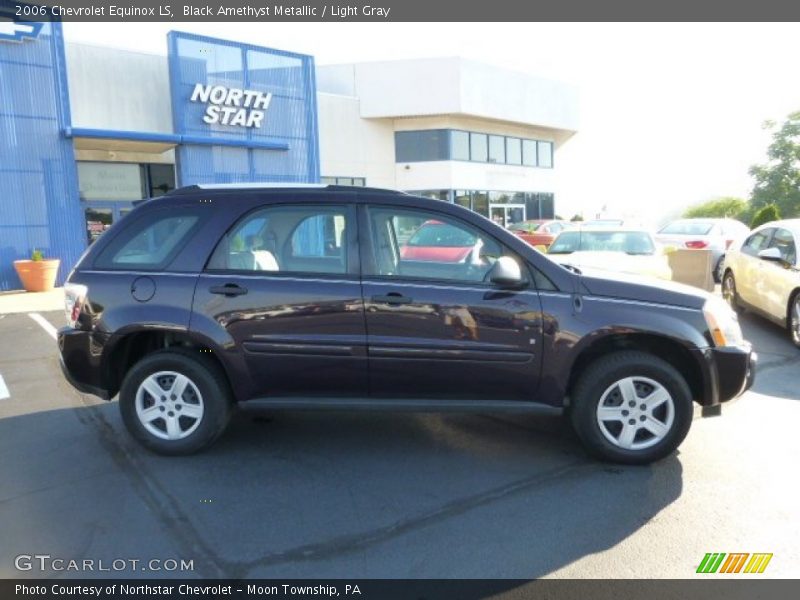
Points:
51	331
3	389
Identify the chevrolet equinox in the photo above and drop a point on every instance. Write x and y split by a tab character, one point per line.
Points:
327	297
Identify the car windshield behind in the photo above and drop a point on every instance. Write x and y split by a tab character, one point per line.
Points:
630	242
441	235
688	228
524	226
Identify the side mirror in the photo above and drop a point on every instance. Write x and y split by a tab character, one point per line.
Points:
506	272
772	254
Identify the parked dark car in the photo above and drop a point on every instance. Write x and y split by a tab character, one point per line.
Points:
300	298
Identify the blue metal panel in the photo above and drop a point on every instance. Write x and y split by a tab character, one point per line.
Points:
284	149
39	206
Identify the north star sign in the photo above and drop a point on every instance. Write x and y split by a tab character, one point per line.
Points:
232	106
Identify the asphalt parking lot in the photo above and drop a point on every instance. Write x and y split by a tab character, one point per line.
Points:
390	495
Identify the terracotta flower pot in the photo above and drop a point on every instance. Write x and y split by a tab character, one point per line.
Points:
37	275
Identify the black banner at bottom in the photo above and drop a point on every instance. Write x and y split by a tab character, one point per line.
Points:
732	588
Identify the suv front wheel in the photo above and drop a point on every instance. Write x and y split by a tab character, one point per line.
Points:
175	402
631	407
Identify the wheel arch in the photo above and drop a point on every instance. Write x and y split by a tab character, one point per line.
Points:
133	345
672	351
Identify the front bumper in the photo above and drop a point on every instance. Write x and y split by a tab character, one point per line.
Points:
728	373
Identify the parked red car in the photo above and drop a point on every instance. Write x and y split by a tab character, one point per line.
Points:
539	232
440	242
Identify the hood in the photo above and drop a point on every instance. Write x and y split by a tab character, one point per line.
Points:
644	289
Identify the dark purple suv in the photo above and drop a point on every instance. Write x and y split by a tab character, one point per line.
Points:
306	298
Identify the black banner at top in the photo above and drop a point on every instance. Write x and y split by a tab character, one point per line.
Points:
400	10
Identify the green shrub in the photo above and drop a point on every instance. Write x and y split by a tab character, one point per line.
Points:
765	215
37	255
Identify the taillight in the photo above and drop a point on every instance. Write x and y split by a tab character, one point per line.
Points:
696	244
74	297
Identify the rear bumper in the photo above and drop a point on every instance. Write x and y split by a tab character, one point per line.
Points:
728	373
80	360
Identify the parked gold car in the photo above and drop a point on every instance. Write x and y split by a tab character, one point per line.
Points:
763	274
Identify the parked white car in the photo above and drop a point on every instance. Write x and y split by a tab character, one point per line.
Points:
620	250
763	274
715	235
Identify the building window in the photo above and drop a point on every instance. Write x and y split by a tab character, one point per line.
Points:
538	205
111	181
529	153
497	149
354	181
459	145
418	146
478	147
513	151
447	144
545	155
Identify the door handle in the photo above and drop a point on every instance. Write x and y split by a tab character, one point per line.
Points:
229	289
392	298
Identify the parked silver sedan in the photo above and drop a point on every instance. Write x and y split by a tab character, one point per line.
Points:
715	235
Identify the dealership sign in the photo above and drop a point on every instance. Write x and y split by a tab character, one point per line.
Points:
18	31
231	106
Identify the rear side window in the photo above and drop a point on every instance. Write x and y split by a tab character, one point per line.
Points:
150	242
287	239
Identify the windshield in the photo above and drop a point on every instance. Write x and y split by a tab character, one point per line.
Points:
524	226
630	242
688	228
442	235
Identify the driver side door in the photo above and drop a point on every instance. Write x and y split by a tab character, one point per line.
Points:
435	328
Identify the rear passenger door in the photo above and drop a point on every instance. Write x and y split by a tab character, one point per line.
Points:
284	284
435	327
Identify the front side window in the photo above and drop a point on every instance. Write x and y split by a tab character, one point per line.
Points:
151	242
409	244
783	240
286	239
757	242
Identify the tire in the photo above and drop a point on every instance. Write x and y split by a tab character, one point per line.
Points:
176	424
793	320
610	381
729	292
718	269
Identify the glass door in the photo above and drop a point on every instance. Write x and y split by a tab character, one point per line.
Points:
507	214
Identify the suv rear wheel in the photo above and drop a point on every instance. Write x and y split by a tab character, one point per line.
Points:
631	407
175	402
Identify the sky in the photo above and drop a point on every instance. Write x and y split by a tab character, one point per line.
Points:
670	114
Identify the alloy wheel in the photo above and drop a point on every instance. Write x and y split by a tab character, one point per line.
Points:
635	413
169	405
794	320
729	290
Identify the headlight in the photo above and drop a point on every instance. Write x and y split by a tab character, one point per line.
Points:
722	323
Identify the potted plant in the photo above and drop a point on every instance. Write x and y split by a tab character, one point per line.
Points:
39	273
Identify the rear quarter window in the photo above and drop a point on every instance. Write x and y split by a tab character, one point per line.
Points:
150	242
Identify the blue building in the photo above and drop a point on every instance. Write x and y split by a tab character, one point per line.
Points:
81	140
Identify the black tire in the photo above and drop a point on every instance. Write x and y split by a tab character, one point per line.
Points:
729	288
718	269
209	380
604	373
792	321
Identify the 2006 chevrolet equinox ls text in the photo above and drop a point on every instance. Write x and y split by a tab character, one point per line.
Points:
315	297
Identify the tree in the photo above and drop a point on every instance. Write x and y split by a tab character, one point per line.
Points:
718	208
778	180
576	217
765	214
